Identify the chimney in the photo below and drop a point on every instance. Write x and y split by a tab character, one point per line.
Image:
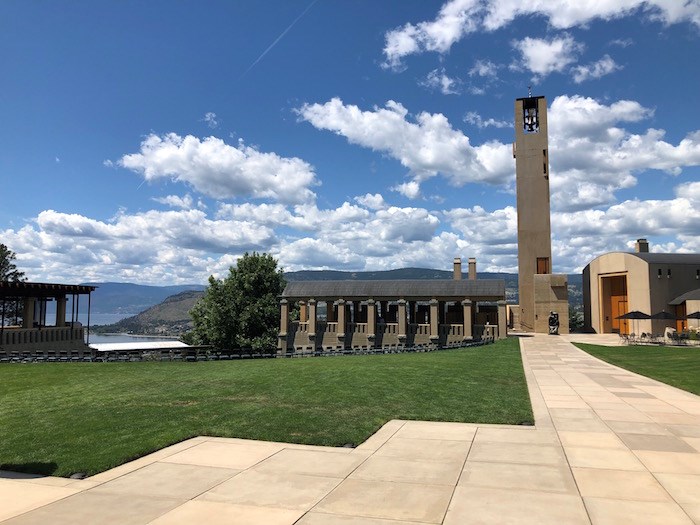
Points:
472	269
641	246
457	269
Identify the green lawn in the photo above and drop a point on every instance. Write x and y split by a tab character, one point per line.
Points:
673	365
62	418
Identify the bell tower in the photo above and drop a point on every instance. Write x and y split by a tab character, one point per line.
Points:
537	287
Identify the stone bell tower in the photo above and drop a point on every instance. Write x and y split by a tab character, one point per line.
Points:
540	291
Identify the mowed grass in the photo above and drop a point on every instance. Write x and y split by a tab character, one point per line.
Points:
676	366
65	418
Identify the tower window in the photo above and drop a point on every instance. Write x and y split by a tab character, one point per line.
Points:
660	273
531	118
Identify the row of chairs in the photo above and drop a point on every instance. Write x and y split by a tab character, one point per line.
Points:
209	354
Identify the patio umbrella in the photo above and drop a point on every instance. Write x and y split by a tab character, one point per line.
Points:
634	315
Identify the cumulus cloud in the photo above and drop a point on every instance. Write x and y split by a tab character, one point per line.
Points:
425	144
438	80
602	67
458	18
410	189
222	171
593	156
372	201
452	22
175	201
543	57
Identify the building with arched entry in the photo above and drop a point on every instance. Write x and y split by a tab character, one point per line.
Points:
381	314
618	282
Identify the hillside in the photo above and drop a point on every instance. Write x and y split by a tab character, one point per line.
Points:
171	316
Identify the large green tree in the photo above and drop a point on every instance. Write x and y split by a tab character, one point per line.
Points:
8	269
241	310
11	311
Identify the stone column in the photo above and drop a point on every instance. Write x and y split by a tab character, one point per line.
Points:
467	319
303	315
340	333
28	313
312	319
371	321
61	311
502	320
284	326
434	318
401	314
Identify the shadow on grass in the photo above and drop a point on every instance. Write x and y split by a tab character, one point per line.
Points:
27	470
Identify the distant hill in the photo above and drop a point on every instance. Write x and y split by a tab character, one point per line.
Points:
127	298
170	317
166	310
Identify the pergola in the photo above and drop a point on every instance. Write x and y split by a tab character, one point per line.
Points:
33	298
385	313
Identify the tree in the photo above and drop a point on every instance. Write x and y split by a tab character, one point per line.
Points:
11	311
241	310
8	269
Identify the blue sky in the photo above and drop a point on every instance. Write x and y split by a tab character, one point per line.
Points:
155	142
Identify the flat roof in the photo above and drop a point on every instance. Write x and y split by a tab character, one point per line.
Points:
669	258
423	289
29	289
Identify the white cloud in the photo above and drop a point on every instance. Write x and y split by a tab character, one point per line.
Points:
485	69
472	117
219	170
543	57
437	79
210	119
458	18
453	21
592	156
175	201
410	190
602	67
427	144
372	201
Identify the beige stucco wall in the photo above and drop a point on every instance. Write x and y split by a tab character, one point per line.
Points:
646	292
551	295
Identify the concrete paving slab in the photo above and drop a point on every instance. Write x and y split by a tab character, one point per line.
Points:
17	498
590	439
670	462
168	480
214	513
227	455
435	430
91	507
684	488
321	518
516	435
389	500
621	512
485	506
654	442
425	449
524	453
518	477
311	463
385	468
278	490
619	484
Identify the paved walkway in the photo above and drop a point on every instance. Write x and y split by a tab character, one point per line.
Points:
608	447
